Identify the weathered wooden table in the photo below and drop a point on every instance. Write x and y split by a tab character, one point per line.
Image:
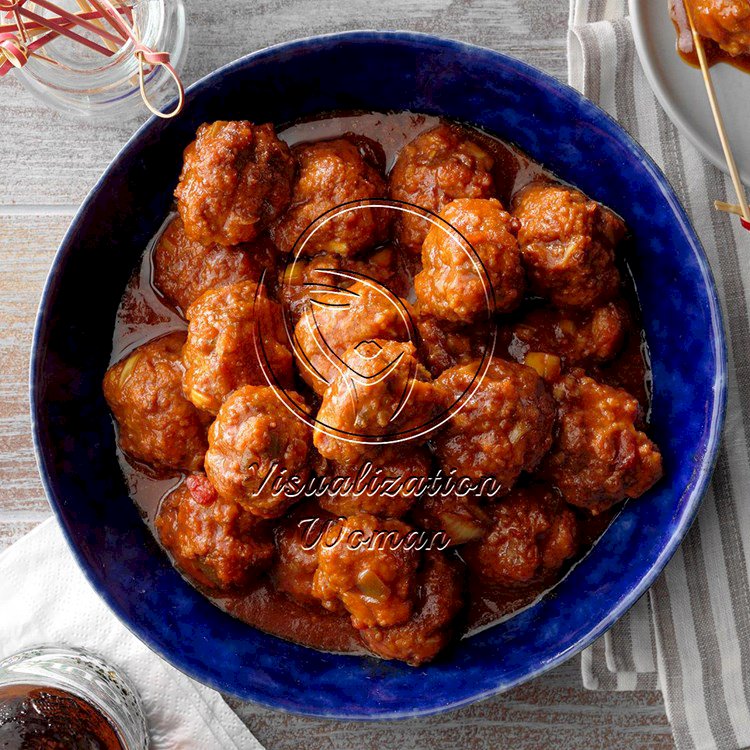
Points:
47	165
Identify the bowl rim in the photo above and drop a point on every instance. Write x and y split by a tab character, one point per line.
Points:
702	474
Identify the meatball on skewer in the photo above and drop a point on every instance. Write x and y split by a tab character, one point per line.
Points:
184	269
459	287
230	330
329	174
568	245
236	180
504	427
157	424
254	437
435	168
211	538
600	456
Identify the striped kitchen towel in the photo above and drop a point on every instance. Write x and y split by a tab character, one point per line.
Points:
690	635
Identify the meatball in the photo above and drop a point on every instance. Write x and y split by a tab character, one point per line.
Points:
532	533
303	275
452	286
157	424
184	269
578	339
385	484
435	168
297	543
230	331
504	427
211	538
370	567
568	245
726	22
442	346
385	395
236	180
340	319
459	518
600	456
256	438
331	173
429	630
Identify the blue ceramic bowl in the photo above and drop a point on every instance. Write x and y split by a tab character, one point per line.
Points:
372	71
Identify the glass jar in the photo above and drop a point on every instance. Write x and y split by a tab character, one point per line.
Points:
70	697
83	83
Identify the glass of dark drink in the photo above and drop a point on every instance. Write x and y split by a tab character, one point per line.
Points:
54	697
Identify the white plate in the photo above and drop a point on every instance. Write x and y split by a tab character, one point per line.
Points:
679	87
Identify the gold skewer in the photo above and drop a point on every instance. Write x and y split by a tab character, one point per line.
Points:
729	208
85	7
742	208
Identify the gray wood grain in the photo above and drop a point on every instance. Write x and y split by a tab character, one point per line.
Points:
48	165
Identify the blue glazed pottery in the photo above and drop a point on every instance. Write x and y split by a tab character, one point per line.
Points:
372	71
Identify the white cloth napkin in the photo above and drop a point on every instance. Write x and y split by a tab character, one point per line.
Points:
181	713
690	635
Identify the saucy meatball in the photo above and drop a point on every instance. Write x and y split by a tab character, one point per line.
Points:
442	346
229	331
236	179
384	484
184	269
385	395
297	557
504	427
435	168
340	319
429	629
726	22
452	286
600	456
532	533
369	566
460	518
211	538
157	424
331	173
303	275
255	436
578	339
568	245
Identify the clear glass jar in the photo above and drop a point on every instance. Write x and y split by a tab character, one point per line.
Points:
85	84
38	688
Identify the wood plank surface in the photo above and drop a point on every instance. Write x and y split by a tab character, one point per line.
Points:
48	165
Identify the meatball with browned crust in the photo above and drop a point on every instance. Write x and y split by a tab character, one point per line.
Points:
726	22
184	269
442	346
386	395
370	566
437	167
386	483
600	456
461	286
431	626
504	427
532	532
303	278
236	180
235	337
256	437
212	539
338	319
568	245
297	541
458	518
329	174
157	424
577	338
